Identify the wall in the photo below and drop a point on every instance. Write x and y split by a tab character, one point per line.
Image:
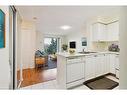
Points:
123	48
40	40
28	43
4	54
102	46
76	36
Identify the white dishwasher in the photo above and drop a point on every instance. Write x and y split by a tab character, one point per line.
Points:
75	71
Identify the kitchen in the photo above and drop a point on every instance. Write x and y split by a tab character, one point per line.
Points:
88	66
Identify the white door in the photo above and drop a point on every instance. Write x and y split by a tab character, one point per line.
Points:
89	67
75	71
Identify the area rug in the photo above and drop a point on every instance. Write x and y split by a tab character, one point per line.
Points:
101	83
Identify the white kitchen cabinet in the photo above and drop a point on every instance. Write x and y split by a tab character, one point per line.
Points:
117	73
105	32
99	32
117	62
89	67
106	67
102	65
113	31
97	65
117	67
112	60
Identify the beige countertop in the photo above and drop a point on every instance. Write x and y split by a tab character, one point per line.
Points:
67	54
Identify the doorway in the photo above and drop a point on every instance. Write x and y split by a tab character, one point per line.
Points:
51	47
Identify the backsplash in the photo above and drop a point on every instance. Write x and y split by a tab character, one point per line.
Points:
102	46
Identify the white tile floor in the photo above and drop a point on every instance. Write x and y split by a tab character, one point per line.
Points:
53	85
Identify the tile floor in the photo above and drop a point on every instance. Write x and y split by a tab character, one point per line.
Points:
53	85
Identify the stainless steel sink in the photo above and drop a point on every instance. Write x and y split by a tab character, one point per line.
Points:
87	52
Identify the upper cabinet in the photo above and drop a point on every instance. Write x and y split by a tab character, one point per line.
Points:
105	32
99	32
113	31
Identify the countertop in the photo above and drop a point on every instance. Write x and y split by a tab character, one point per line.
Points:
67	54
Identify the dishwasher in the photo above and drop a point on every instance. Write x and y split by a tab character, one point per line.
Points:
75	71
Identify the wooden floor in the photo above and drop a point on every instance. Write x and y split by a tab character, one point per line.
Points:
34	76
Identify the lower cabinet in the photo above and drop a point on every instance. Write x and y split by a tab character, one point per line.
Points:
112	61
100	64
117	66
89	67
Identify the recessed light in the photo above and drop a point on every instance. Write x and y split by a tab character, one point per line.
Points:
65	27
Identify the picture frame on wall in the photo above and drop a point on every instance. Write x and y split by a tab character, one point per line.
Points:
84	41
2	29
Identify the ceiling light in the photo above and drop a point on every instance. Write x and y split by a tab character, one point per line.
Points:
65	27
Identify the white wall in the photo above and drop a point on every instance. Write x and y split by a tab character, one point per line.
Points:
123	48
28	43
4	54
40	40
76	36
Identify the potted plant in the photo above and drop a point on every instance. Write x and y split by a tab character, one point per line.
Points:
64	47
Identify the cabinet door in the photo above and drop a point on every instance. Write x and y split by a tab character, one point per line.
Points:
99	32
113	31
107	64
112	63
117	62
99	63
117	66
75	71
102	32
89	67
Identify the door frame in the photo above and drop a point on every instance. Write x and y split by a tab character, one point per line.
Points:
13	62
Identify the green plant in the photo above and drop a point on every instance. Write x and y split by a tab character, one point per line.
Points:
64	47
52	48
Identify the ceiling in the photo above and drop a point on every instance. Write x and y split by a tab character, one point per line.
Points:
51	18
